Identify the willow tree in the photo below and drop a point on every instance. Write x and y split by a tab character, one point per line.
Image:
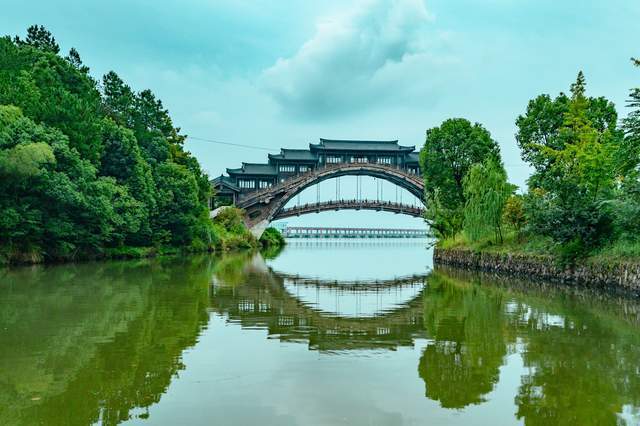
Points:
448	153
486	190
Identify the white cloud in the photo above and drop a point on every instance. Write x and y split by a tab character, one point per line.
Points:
379	51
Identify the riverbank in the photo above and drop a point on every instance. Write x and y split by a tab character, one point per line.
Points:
594	272
229	234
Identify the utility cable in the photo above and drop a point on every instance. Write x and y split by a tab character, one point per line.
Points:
233	144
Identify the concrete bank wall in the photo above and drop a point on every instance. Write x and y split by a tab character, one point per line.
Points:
624	276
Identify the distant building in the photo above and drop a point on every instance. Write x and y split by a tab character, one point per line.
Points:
290	162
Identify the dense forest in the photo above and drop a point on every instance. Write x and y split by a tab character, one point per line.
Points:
583	197
93	168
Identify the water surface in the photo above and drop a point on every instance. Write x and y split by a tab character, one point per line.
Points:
326	332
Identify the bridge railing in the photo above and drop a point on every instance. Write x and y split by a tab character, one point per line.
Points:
321	232
353	204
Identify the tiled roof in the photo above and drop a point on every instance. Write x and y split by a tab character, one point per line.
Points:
224	180
254	169
360	145
295	154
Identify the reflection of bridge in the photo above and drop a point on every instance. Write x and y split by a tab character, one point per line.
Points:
263	190
385	206
316	232
264	301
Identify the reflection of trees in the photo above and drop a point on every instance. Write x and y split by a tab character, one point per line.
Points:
581	350
582	370
263	301
94	341
462	363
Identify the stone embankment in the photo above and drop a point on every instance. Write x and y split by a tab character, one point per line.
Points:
623	275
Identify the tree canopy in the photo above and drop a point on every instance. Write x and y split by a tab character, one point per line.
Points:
85	167
449	152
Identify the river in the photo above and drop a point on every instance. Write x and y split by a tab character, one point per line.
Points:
323	333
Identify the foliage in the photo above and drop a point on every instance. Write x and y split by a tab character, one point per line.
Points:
584	194
443	222
513	213
231	230
271	237
486	191
85	171
576	173
448	154
543	127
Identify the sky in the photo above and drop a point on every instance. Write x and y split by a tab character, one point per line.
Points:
284	73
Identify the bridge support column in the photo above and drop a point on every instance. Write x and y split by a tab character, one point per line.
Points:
258	229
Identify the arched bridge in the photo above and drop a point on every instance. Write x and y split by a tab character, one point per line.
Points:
375	205
265	205
263	190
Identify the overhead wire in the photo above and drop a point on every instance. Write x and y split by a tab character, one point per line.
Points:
241	145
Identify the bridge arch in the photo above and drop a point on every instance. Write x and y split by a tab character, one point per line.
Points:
263	206
375	205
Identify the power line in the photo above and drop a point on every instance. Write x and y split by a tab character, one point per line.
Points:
232	144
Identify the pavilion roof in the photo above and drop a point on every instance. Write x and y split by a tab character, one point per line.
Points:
254	169
295	154
360	145
224	181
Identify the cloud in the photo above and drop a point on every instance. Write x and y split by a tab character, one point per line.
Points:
379	51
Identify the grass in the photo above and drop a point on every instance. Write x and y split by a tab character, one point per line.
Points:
619	251
512	243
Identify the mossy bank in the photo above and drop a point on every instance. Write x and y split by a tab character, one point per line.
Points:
621	274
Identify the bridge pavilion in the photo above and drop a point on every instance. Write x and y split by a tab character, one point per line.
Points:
289	162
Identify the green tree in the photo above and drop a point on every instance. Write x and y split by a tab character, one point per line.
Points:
40	38
541	126
486	190
448	153
513	213
630	152
100	169
569	194
51	199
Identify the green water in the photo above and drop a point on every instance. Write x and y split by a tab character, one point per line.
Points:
325	333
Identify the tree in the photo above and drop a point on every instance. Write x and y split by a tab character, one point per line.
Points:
51	91
575	177
630	152
74	59
99	170
40	38
513	213
486	190
448	153
539	128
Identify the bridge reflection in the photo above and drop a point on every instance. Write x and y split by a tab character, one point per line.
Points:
271	300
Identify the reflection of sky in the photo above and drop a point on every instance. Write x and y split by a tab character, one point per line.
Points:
351	302
379	259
